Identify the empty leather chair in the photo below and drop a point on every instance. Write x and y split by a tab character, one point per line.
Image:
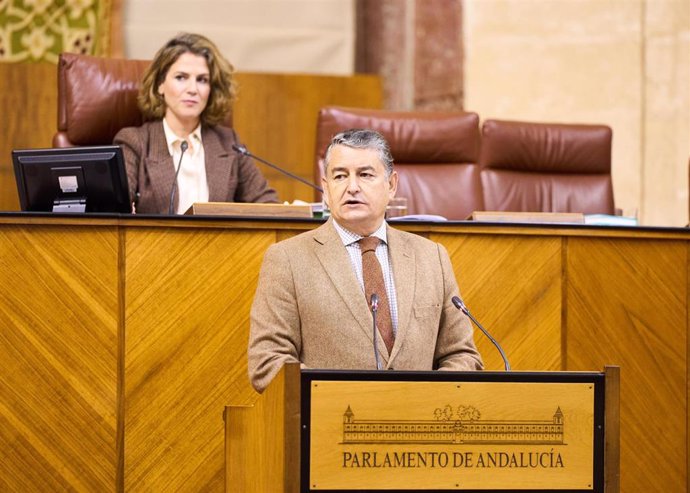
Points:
544	167
96	98
435	155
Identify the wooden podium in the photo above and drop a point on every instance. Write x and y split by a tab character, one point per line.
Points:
328	430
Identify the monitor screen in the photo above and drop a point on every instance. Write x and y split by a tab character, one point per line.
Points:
72	179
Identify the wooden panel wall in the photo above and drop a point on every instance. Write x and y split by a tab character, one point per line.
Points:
59	331
188	295
28	105
121	341
513	286
275	116
627	304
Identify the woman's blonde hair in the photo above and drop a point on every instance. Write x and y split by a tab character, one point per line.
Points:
222	85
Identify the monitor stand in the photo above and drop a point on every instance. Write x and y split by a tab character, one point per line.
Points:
74	205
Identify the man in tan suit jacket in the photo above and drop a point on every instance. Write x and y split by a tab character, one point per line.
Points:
310	305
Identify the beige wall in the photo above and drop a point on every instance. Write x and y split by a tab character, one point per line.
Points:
293	36
624	63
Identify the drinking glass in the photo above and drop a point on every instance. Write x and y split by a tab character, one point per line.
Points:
396	207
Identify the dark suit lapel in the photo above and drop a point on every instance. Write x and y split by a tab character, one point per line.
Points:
335	260
218	166
404	273
159	164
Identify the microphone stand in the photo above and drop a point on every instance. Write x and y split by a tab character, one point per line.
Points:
183	148
374	311
243	150
460	305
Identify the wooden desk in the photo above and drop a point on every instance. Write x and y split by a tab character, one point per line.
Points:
123	338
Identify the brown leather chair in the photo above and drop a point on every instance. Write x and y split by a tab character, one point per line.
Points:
544	167
96	98
435	155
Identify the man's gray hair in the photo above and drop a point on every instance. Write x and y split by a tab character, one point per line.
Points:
359	138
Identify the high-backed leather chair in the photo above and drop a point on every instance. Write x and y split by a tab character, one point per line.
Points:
435	155
544	167
96	98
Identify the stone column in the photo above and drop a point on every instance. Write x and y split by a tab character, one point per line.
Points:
416	47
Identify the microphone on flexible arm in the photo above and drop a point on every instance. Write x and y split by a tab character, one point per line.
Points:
460	305
374	310
243	150
183	148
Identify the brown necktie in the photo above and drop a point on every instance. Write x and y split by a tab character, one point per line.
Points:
374	283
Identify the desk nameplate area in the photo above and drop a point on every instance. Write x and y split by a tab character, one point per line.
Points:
242	209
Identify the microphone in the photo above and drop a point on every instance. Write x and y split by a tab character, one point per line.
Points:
461	306
183	148
374	309
243	150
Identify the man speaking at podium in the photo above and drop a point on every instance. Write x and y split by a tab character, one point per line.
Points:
320	292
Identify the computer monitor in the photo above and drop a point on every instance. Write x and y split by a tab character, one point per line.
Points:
72	179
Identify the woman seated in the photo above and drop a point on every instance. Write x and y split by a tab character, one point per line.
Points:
183	154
